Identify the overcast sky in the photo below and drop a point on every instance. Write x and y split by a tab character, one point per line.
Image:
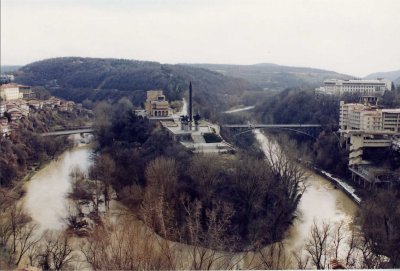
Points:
347	36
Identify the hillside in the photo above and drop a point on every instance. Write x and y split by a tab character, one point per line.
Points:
96	79
392	75
275	77
397	81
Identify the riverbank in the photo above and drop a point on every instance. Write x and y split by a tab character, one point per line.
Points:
342	185
19	187
51	184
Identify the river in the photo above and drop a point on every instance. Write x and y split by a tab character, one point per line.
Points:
46	194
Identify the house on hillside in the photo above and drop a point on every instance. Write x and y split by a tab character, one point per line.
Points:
9	92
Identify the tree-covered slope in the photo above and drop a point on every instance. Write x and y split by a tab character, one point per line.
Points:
392	75
275	77
79	78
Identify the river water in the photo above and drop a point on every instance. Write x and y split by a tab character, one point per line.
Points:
320	202
47	191
46	194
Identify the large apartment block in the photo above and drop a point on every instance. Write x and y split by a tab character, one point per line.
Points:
356	86
354	116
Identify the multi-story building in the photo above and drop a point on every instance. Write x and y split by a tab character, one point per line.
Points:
365	125
2	108
390	120
156	105
356	86
360	117
10	92
367	118
26	92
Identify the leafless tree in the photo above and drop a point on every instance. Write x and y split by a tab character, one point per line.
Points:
338	237
161	175
317	244
103	170
54	252
213	235
273	257
26	239
205	170
125	245
300	259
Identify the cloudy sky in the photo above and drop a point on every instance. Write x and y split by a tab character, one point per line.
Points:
356	37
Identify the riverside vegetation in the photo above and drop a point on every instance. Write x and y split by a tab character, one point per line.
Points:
195	199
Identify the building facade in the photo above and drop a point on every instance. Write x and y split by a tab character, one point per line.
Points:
10	92
2	108
356	86
368	118
156	104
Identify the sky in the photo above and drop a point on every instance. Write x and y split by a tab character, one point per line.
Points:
355	37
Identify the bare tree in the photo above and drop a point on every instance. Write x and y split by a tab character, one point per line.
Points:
273	257
301	260
103	170
317	244
161	175
205	171
125	245
27	238
54	251
338	237
213	235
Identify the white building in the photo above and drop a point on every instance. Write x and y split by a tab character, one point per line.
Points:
364	125
2	108
10	92
368	118
356	86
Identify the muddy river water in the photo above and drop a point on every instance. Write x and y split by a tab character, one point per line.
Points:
46	196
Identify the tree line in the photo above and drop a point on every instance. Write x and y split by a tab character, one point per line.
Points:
239	201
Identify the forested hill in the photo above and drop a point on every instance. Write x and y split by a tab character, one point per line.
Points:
275	77
95	79
392	75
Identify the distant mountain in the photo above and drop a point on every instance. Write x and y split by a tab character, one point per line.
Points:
77	79
8	68
392	75
275	77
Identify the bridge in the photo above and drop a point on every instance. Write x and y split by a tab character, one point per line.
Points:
69	132
256	126
306	129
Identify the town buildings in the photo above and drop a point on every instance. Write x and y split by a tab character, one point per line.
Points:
356	86
10	92
156	104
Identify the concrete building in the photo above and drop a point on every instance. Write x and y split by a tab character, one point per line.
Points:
356	86
10	92
354	116
26	92
2	108
365	125
156	105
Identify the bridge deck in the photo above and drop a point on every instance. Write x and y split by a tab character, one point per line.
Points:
68	132
271	125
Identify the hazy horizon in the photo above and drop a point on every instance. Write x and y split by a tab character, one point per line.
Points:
346	36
